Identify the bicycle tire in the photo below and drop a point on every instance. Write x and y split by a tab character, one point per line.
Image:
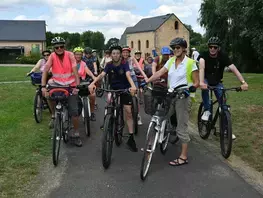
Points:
146	160
107	141
99	92
119	125
86	116
226	118
164	144
66	130
135	114
56	140
38	109
200	123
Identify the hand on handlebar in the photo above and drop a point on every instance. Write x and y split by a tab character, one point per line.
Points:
192	89
92	88
133	90
244	87
203	85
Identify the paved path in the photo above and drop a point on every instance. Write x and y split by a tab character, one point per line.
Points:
16	65
206	176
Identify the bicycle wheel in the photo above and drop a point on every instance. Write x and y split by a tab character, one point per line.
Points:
86	107
166	136
149	148
135	114
66	122
38	107
203	128
118	126
225	134
56	139
107	140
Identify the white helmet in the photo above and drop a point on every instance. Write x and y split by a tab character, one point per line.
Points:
193	49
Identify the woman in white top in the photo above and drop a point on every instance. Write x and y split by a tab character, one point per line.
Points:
106	59
41	63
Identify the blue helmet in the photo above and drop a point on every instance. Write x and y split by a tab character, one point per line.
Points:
165	50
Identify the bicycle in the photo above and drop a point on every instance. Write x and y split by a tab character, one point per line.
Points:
160	126
86	113
62	123
113	125
40	102
225	124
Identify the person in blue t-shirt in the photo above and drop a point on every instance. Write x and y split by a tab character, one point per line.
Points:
90	61
120	78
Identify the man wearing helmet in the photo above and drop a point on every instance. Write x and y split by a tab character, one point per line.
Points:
64	72
181	71
212	65
195	54
90	61
120	78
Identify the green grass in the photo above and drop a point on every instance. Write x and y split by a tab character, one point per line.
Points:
247	118
24	143
14	73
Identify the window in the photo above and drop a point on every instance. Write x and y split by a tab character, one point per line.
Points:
176	24
132	44
147	44
139	45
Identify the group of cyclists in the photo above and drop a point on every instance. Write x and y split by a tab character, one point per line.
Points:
63	67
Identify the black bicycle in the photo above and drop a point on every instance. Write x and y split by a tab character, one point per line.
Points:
113	125
135	111
40	102
225	123
62	123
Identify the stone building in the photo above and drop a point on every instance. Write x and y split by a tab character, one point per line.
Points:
151	34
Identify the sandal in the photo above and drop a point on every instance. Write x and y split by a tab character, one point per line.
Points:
176	162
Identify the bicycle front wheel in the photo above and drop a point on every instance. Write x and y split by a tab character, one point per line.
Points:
225	134
38	107
118	129
107	141
56	139
149	148
135	114
204	129
86	107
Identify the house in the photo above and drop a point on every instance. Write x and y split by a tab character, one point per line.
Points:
18	37
151	34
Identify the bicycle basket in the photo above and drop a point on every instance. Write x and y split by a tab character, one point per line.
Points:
36	78
58	94
84	89
149	106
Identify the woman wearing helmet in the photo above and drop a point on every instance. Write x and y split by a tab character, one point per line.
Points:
133	63
90	61
106	59
120	79
181	71
83	71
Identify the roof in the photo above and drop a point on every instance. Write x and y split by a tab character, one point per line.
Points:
22	30
149	24
123	40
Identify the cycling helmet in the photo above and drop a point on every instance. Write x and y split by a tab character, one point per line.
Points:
115	46
107	51
138	52
178	41
78	49
46	51
126	48
214	41
193	49
165	51
94	51
88	50
58	40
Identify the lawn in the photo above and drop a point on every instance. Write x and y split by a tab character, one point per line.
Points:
247	118
24	144
14	73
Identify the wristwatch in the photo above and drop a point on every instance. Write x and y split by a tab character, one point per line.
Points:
243	82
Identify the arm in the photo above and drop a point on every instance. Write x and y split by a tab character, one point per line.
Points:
157	75
195	77
98	78
87	70
102	62
138	66
128	76
239	76
202	73
95	68
154	65
74	68
36	67
47	67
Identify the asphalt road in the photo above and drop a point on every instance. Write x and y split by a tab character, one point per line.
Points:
205	176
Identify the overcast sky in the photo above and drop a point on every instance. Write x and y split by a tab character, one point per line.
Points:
108	16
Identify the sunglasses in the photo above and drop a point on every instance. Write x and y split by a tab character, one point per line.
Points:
176	47
59	47
46	54
215	47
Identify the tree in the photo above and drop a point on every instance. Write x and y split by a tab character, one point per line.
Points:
74	39
49	37
86	38
111	41
97	40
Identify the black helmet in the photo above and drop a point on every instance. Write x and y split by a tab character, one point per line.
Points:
46	51
107	51
88	50
58	40
214	41
115	46
178	41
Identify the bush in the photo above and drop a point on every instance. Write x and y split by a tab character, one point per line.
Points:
31	59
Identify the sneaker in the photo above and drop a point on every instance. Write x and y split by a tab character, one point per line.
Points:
76	139
93	117
233	137
96	107
51	123
131	144
139	120
206	115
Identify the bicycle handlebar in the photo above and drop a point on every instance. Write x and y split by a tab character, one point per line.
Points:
116	91
238	89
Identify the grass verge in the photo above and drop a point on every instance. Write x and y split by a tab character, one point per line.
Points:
24	143
247	118
14	73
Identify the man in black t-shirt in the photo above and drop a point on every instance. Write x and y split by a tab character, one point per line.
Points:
211	71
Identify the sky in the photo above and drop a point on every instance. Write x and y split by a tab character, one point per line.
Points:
111	17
